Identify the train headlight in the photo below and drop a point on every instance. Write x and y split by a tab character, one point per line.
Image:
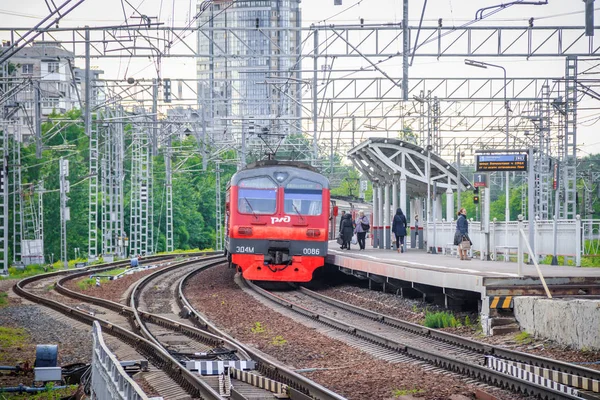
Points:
313	232
245	230
281	176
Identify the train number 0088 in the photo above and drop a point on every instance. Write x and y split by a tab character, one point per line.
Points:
244	249
311	251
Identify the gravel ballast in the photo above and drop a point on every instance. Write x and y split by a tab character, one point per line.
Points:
413	311
41	326
337	366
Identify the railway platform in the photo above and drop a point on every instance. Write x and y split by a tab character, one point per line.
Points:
446	280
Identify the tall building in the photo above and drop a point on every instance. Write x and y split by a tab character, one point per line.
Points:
249	78
50	67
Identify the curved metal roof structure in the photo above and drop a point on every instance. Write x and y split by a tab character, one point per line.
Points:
385	160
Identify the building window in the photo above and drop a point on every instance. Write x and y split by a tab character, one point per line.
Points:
27	68
52	67
50	103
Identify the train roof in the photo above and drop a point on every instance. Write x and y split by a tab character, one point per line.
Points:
272	167
270	163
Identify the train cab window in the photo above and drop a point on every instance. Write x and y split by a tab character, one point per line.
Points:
257	196
303	197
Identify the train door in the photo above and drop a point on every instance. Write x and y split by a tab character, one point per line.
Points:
333	214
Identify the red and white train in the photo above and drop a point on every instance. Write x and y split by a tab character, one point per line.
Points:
277	221
279	218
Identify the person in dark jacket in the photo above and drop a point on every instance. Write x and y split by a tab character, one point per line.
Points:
341	220
347	229
399	229
462	231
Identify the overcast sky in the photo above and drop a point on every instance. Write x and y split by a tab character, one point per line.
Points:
26	13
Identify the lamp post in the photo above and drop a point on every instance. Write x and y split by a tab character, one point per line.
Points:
481	64
459	154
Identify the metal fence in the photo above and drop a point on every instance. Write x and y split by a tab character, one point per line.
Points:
569	238
109	379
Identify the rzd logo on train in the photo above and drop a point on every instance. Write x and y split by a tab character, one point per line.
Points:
285	219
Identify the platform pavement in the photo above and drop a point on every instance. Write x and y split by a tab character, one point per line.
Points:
447	271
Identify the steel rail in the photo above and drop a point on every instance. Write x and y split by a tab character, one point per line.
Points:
478	372
265	366
190	331
143	317
160	357
139	318
485	349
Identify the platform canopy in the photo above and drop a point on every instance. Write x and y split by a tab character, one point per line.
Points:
385	160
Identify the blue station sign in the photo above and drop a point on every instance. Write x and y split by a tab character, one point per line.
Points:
501	162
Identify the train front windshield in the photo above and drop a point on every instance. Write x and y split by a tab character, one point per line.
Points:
303	197
257	196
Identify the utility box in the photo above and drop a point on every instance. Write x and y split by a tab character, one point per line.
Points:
47	374
46	367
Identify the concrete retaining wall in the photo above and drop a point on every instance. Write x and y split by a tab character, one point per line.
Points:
574	323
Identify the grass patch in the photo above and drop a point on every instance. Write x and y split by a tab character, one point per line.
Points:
278	341
523	338
48	394
114	272
404	392
86	284
258	328
30	270
441	319
12	337
3	299
181	251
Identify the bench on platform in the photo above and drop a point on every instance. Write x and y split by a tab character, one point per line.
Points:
506	252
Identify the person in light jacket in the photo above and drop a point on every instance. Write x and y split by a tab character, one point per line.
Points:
399	229
361	223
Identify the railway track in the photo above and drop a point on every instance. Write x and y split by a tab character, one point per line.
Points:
396	340
157	328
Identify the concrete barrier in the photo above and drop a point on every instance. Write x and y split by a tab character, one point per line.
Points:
573	322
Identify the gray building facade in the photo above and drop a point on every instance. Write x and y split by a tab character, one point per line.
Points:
249	77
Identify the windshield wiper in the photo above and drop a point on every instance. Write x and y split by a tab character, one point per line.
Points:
251	209
298	212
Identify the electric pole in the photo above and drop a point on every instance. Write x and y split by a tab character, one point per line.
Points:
65	214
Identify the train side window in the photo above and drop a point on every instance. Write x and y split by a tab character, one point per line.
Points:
257	196
303	197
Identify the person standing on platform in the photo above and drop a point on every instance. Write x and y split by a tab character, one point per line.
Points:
341	221
362	227
461	237
416	231
347	230
399	229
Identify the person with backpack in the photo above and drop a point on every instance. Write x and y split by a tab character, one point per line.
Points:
399	229
361	229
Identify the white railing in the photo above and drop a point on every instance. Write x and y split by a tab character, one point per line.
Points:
591	236
568	238
109	379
